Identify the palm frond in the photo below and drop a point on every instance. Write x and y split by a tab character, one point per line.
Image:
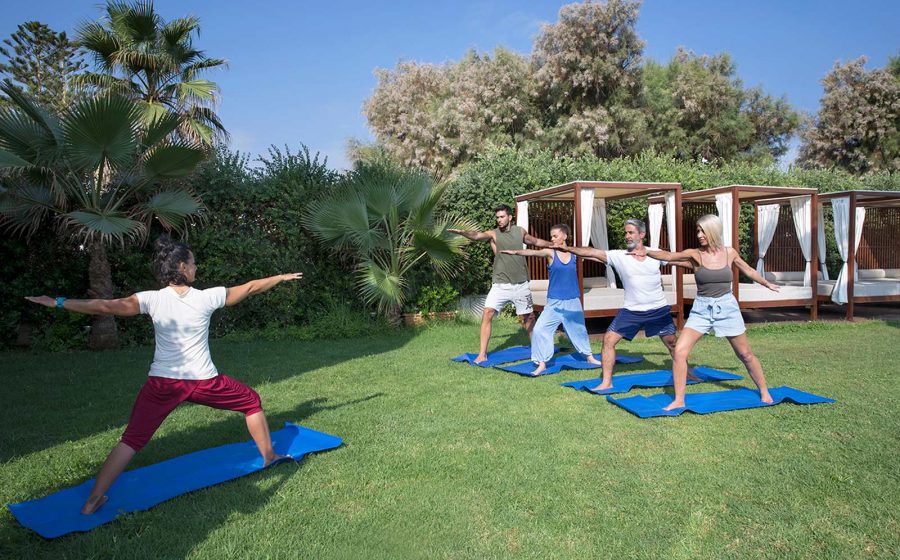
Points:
381	284
101	43
42	117
9	160
343	221
136	22
160	128
178	31
22	137
90	224
196	90
171	208
172	161
102	129
24	207
190	71
106	83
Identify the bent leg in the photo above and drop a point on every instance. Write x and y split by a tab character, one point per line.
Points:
741	347
683	347
227	393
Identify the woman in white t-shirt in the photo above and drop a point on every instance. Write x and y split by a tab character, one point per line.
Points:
182	369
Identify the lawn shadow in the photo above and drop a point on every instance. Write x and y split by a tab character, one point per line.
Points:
229	429
52	399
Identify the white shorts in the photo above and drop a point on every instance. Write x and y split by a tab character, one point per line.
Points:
518	294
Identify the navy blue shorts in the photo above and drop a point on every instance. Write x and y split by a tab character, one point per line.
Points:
654	322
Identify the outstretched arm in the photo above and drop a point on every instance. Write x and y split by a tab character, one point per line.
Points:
586	252
751	273
473	235
688	255
121	307
536	241
237	294
529	252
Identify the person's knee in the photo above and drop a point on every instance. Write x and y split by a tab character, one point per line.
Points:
681	352
488	315
745	355
135	440
610	340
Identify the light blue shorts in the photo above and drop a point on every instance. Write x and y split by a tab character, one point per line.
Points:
721	314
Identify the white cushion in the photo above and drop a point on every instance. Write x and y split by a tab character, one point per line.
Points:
539	285
872	274
596	282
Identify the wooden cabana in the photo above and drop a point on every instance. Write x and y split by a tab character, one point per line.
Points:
784	244
582	205
870	272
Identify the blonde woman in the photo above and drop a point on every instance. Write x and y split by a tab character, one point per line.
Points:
715	307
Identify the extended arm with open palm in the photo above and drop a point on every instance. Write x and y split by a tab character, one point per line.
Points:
237	294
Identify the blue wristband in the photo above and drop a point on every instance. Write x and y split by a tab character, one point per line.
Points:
59	302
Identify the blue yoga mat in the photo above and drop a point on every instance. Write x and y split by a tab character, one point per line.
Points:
504	356
716	401
569	361
139	489
658	378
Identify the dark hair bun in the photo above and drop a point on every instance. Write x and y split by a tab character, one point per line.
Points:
167	259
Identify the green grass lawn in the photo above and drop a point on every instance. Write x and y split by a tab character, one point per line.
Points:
444	460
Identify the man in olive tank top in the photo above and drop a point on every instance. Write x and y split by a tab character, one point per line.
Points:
509	282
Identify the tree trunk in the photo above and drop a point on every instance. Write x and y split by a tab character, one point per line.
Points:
103	327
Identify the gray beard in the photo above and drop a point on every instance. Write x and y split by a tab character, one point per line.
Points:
630	245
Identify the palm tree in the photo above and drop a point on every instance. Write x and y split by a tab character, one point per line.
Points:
155	63
97	174
387	218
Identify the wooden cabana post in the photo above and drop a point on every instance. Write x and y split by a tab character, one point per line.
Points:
758	195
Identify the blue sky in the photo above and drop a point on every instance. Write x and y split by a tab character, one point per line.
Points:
300	71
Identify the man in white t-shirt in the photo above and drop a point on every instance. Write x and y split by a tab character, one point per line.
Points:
182	369
645	307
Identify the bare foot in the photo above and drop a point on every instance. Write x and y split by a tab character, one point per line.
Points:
480	358
592	360
766	397
602	386
542	366
276	458
674	405
93	504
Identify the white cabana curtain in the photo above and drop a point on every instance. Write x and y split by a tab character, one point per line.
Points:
522	216
821	236
587	215
670	227
724	209
841	209
599	236
765	232
655	213
801	209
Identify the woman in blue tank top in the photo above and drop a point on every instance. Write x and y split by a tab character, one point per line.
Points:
563	303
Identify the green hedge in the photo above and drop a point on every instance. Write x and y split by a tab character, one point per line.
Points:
501	175
252	230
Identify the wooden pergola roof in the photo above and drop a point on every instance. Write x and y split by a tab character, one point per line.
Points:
882	199
745	193
612	190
